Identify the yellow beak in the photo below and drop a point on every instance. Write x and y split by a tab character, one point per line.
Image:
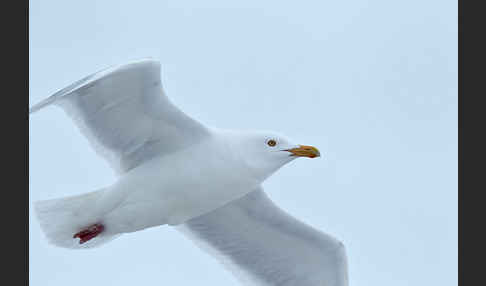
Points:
305	151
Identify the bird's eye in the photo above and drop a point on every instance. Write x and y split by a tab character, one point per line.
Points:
271	143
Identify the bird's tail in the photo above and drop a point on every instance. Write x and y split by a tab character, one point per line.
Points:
60	219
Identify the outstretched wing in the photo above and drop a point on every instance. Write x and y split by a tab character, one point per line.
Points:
125	114
262	245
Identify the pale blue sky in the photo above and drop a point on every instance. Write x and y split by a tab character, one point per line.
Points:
373	84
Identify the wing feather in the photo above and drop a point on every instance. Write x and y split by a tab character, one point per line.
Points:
262	245
125	114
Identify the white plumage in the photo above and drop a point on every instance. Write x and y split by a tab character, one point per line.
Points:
174	170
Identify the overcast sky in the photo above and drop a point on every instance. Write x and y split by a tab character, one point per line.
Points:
372	84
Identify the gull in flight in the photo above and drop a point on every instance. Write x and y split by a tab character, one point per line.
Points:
204	181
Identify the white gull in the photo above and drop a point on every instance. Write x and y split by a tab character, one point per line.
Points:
174	170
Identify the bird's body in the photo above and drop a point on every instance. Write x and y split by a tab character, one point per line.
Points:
173	188
174	170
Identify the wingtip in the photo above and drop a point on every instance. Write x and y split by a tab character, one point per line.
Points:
41	105
91	78
33	110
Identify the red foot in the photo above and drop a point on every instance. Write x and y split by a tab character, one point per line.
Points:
89	233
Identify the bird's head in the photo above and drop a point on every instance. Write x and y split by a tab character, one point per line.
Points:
266	152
